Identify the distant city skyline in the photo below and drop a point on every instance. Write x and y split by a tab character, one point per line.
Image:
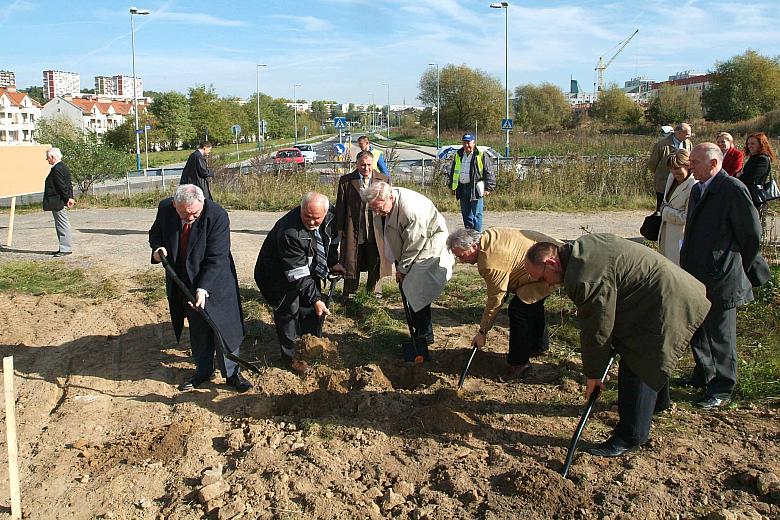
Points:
345	50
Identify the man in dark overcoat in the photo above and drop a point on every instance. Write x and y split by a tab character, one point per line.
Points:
196	171
58	198
194	234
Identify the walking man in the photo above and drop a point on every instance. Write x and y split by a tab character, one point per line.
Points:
471	179
659	155
197	172
379	158
58	198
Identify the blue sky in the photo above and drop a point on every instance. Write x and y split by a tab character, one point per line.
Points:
346	49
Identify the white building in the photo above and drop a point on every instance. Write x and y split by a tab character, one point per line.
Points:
97	114
119	86
18	114
104	86
59	83
7	79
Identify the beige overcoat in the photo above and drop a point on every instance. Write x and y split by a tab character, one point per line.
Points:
656	163
673	214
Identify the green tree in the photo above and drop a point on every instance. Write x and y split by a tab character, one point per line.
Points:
541	108
122	137
34	92
673	105
205	114
172	113
467	95
278	116
615	108
743	87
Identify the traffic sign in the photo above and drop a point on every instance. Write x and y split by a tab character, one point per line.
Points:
263	126
236	129
339	122
506	124
339	148
139	131
148	127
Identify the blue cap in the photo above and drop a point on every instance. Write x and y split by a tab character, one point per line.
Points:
468	137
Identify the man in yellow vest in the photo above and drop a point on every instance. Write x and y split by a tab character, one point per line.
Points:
379	158
471	179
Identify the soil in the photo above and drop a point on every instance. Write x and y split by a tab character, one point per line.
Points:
104	433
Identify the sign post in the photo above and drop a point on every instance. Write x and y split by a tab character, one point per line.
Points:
236	129
340	123
146	143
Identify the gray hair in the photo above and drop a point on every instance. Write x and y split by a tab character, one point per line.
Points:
726	136
711	151
54	152
683	126
379	191
363	154
463	238
313	197
188	194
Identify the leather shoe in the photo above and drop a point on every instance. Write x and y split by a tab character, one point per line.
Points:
710	402
687	382
238	382
612	447
193	383
59	254
515	372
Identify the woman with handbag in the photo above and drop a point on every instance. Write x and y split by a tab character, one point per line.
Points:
674	209
755	172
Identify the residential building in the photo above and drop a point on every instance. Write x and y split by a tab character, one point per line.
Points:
123	86
18	114
638	89
91	114
579	100
687	80
104	85
7	79
59	83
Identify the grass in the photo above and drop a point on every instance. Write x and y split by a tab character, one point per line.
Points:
41	277
151	285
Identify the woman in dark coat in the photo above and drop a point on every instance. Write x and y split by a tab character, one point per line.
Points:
756	170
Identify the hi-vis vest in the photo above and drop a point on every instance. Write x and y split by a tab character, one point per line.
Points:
456	170
377	153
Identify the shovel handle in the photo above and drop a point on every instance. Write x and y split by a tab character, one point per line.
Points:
466	368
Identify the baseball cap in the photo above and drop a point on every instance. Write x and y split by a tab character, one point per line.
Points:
468	137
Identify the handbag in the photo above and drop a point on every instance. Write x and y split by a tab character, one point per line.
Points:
767	191
651	226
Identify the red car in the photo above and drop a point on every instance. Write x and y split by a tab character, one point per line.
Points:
289	156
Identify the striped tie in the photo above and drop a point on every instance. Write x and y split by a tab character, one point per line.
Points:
320	264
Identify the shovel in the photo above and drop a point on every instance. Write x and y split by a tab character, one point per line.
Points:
334	279
466	368
411	350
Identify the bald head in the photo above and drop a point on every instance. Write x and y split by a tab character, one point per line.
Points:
706	161
314	207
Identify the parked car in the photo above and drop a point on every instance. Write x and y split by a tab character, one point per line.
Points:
289	156
308	152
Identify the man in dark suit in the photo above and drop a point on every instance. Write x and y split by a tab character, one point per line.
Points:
58	198
196	171
721	249
195	234
355	226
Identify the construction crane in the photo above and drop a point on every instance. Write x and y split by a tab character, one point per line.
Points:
601	67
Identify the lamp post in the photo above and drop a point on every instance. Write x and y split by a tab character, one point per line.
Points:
388	108
438	107
371	106
505	7
139	12
257	95
295	111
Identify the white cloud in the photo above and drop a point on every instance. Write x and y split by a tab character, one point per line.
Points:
306	23
196	19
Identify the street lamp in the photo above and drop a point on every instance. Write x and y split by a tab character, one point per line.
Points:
295	111
371	106
257	95
138	12
438	107
388	108
505	7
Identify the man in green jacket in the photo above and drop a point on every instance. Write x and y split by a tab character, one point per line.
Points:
633	301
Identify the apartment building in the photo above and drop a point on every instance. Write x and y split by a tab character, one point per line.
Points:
7	79
92	114
59	83
18	114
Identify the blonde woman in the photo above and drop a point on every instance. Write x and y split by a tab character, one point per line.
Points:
674	209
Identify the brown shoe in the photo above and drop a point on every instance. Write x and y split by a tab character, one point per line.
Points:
299	366
517	372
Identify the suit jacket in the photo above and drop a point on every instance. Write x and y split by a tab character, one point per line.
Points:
722	242
416	240
196	172
656	163
349	209
57	188
755	172
732	161
209	265
673	214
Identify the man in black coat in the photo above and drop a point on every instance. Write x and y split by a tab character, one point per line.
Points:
292	268
721	248
196	171
57	198
195	235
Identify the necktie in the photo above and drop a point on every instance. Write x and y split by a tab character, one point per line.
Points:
184	238
697	192
364	183
320	260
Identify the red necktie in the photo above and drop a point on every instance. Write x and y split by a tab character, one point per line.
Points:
184	238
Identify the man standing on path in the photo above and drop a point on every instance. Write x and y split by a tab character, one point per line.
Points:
196	171
471	179
356	227
659	155
58	198
721	248
379	158
194	234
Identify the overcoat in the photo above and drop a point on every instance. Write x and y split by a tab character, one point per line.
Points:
196	172
57	188
209	266
673	213
656	163
754	173
634	300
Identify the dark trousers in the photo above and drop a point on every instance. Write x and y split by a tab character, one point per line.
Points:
714	347
204	348
292	320
367	260
527	331
659	200
423	326
636	404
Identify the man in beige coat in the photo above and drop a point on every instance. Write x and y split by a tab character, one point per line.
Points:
662	149
499	254
415	239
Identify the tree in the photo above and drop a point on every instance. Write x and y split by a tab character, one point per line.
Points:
172	112
122	137
615	108
207	117
743	87
34	92
278	116
467	95
541	108
673	105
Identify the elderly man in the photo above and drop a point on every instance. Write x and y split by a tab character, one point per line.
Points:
500	257
195	234
379	158
632	301
196	170
358	233
292	268
415	238
721	248
659	155
58	198
471	179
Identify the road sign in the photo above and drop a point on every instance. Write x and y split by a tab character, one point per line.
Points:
339	148
139	131
148	127
339	122
263	126
236	129
506	124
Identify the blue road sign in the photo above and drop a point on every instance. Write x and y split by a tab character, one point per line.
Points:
339	122
339	148
148	127
139	131
506	124
236	129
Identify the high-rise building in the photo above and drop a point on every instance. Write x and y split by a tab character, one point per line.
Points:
123	86
58	83
104	85
7	79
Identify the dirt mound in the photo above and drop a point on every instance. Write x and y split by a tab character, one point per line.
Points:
312	349
164	445
545	491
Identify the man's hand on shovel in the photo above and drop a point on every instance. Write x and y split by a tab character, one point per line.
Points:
591	385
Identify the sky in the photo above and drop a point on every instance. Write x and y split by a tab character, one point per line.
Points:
345	50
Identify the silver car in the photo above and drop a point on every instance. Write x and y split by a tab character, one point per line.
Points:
309	155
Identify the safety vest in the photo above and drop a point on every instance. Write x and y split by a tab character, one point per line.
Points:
456	170
377	153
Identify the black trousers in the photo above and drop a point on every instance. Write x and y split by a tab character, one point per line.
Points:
527	330
423	326
204	347
636	404
367	260
292	320
714	347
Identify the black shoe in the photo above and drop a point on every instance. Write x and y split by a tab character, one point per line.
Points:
688	382
59	254
711	402
238	382
612	447
193	383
